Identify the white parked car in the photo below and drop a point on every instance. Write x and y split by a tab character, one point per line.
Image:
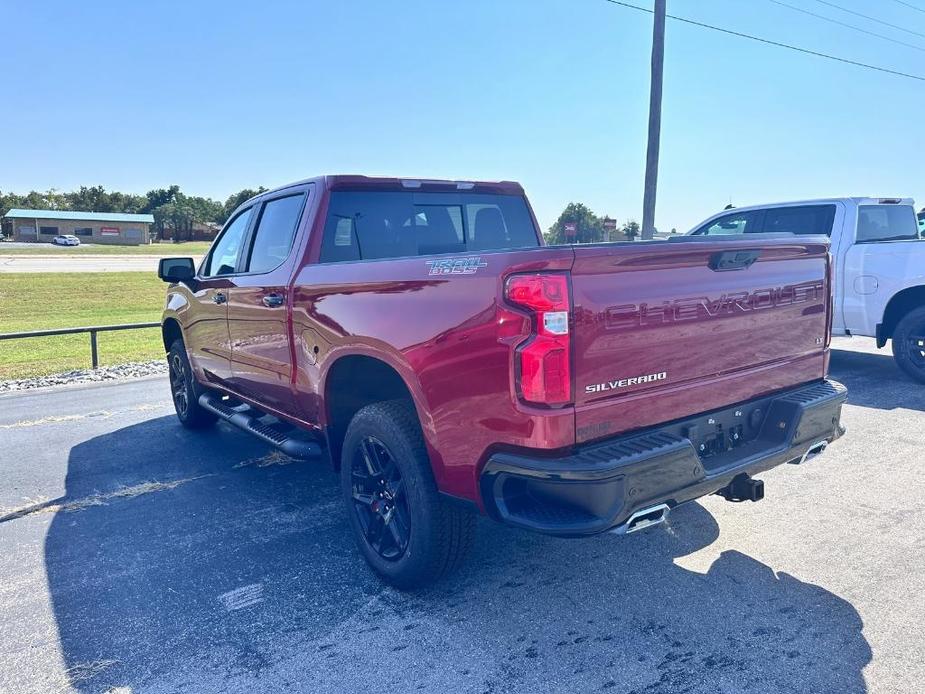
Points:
879	263
66	240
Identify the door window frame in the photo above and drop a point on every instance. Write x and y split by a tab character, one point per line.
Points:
221	235
251	234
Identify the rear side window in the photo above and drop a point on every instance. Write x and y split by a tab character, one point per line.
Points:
275	233
886	223
369	225
803	219
733	223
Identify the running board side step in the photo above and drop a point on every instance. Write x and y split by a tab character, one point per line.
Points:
249	422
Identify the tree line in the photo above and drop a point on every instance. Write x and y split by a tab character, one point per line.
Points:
174	211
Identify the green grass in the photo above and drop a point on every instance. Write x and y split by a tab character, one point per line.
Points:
195	249
58	300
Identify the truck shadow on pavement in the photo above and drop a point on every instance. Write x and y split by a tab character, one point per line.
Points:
875	381
219	568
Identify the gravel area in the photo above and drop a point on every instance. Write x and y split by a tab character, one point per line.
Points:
117	372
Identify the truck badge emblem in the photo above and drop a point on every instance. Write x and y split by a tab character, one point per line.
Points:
624	382
456	266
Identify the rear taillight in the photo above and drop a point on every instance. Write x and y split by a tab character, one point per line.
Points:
544	360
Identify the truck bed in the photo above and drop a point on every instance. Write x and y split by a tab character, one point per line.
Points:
659	331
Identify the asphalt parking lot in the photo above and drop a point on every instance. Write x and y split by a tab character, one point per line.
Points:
138	557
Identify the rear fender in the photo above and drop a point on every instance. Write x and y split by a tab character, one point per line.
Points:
393	359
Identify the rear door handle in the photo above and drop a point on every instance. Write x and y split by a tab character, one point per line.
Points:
219	298
273	300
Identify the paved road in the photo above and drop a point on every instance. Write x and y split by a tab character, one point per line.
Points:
140	556
77	263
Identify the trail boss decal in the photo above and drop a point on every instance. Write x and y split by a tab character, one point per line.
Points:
456	266
625	382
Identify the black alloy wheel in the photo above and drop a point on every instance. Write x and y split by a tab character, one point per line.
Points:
379	499
406	531
184	391
178	385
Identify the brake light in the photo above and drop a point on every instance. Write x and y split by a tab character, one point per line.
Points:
544	360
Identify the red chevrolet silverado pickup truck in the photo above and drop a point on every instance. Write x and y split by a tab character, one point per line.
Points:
421	336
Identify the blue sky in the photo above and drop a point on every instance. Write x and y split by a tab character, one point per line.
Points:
552	93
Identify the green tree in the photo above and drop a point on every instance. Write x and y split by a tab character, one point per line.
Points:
590	226
159	197
231	204
631	229
98	199
205	209
180	214
9	201
95	199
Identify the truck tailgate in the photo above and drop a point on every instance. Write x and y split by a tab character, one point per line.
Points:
666	330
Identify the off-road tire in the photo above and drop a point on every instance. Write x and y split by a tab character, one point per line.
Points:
441	533
909	352
185	390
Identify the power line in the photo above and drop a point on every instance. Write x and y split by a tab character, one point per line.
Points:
849	26
769	42
909	5
867	16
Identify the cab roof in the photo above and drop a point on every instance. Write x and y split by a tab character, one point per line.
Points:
359	182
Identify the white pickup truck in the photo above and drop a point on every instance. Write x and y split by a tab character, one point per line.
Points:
879	254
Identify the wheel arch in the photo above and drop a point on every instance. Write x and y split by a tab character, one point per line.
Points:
898	306
356	379
170	331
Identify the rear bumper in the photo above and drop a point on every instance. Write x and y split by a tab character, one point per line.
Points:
598	487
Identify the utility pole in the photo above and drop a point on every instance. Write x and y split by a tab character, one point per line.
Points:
655	120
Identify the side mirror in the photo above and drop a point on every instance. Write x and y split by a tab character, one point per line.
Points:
175	270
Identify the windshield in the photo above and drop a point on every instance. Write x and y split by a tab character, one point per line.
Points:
886	223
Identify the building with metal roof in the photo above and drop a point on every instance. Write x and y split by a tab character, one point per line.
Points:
114	228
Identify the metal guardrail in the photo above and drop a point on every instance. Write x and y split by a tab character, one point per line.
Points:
93	330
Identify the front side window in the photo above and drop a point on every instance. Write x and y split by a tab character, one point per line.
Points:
223	257
886	223
369	225
733	223
275	233
800	219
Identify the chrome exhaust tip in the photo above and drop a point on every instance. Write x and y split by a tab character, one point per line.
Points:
814	450
644	518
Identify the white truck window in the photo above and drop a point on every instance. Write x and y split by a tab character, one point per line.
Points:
733	223
800	219
878	223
